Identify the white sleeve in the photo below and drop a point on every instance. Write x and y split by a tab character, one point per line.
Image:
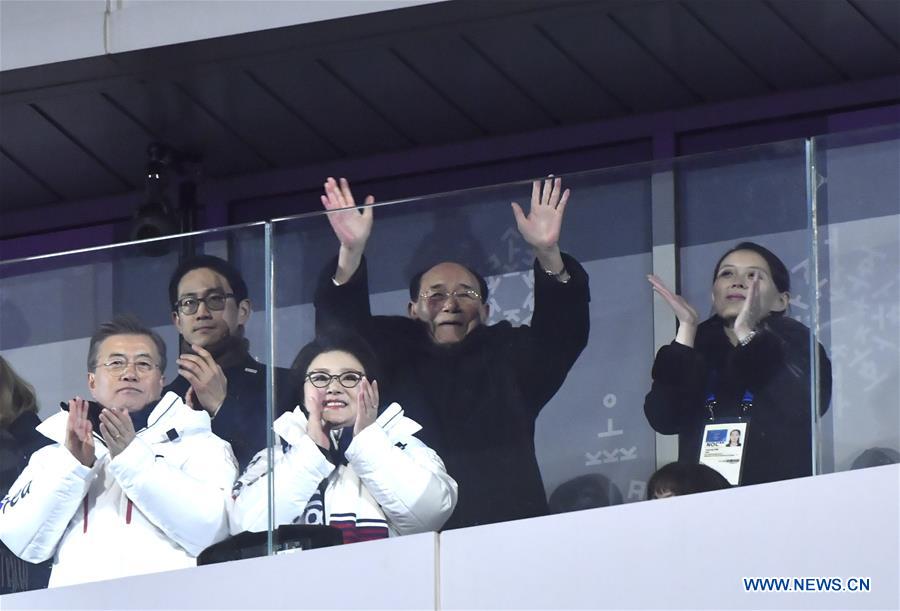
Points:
189	502
408	479
43	500
298	473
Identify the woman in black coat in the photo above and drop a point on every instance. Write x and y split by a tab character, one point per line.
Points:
748	362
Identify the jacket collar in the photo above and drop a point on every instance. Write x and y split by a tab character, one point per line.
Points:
291	426
230	352
169	414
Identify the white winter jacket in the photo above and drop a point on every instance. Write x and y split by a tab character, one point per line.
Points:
393	482
153	507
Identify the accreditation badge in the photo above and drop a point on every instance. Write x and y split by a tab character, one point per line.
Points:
722	448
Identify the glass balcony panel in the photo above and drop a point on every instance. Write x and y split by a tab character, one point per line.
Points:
858	255
753	195
591	442
49	309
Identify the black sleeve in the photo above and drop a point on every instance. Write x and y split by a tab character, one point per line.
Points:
676	398
757	362
344	305
559	330
824	381
777	360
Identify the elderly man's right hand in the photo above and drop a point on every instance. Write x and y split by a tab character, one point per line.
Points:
351	225
79	437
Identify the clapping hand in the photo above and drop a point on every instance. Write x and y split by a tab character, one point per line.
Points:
117	429
79	432
315	427
209	386
685	312
367	405
751	311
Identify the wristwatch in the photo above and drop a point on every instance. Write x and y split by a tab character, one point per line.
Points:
748	338
562	275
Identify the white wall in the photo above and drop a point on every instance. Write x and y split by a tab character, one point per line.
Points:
36	32
686	552
689	552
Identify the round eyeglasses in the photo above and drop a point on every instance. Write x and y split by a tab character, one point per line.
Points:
348	379
435	297
117	366
214	302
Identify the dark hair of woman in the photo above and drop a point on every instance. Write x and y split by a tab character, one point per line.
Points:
334	340
16	395
781	277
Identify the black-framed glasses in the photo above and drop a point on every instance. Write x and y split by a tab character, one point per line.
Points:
438	297
118	365
215	302
348	379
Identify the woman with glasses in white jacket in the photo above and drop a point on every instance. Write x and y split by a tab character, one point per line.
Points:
338	462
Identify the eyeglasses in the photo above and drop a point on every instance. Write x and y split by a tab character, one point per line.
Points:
214	303
348	379
117	366
438	297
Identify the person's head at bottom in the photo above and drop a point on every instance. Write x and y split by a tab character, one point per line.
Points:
677	479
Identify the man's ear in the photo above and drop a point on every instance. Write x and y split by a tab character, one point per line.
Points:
411	310
782	302
176	320
244	310
92	381
484	312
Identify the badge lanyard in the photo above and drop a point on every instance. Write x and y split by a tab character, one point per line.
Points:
717	449
743	407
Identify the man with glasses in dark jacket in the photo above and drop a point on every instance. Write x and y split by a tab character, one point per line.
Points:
210	307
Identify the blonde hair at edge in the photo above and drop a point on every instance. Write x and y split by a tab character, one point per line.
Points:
16	395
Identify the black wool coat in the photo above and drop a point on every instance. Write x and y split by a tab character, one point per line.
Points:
774	367
477	400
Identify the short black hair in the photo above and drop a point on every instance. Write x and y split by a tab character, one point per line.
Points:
218	265
335	340
415	284
780	274
584	492
685	478
125	324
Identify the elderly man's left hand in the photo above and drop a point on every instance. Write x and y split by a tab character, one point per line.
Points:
117	429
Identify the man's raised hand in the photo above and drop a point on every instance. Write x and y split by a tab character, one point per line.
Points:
206	378
351	225
542	226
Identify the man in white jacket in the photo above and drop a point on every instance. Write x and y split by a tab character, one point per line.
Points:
136	484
